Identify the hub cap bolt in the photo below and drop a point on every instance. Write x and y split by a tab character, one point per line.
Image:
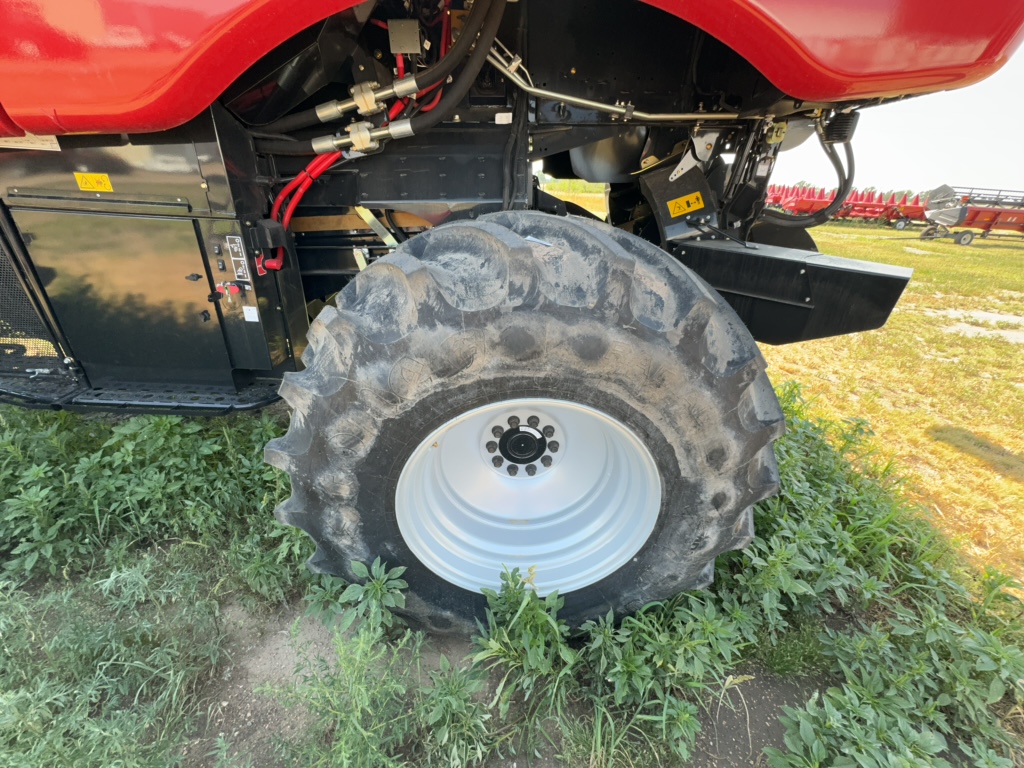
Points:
513	470
553	446
533	421
491	446
545	460
513	421
531	469
497	461
497	431
549	431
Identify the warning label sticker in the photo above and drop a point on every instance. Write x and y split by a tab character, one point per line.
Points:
28	141
94	182
238	259
685	204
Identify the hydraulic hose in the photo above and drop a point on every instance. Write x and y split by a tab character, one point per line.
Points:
842	192
435	73
303	119
456	92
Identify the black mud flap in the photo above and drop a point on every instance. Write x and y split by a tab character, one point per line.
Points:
785	295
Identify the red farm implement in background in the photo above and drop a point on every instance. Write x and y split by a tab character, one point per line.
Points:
996	212
867	205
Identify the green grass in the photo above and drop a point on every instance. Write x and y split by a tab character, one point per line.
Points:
925	665
105	672
120	543
153	524
80	491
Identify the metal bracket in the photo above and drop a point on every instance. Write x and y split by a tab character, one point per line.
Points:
382	232
702	144
686	163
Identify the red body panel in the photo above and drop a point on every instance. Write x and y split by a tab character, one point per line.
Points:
988	219
144	65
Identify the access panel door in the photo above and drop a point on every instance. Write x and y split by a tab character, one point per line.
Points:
131	294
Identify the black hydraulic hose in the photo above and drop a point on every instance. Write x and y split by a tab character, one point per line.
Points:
842	192
435	73
299	120
400	236
456	92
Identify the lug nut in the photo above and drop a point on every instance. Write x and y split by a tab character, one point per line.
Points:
545	460
533	421
549	431
513	421
513	470
491	446
497	461
553	446
497	431
531	469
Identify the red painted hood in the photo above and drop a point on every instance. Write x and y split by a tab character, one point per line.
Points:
69	66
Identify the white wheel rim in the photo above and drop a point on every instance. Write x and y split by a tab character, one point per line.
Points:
575	520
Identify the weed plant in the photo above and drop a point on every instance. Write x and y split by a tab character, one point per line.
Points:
920	659
104	673
77	489
118	542
144	525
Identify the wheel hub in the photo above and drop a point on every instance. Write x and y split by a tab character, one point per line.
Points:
522	445
531	482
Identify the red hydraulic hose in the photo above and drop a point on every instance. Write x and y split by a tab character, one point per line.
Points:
433	101
298	185
446	27
396	109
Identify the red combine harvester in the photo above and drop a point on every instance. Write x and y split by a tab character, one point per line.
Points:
208	205
976	208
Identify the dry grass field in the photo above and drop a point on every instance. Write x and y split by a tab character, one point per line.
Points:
942	384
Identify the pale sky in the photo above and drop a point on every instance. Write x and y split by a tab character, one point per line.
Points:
970	137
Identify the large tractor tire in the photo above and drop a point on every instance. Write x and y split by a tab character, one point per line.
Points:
528	391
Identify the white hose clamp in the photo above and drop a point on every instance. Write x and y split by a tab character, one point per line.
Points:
359	133
365	99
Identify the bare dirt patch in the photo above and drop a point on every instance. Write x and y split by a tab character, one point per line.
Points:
981	323
735	729
264	652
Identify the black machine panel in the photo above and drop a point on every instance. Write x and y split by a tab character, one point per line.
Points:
142	255
123	288
785	295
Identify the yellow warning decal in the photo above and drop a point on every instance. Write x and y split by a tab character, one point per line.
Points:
685	204
94	182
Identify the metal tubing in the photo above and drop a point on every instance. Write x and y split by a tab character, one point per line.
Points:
623	110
